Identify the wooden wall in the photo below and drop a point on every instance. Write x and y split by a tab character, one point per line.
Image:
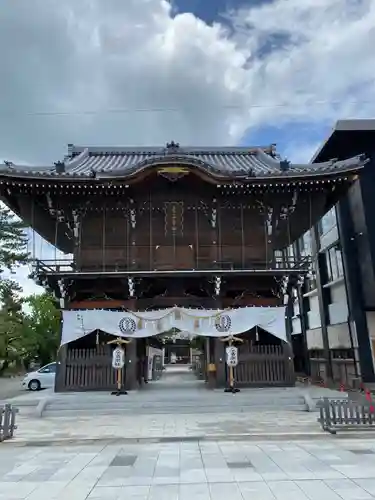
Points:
171	228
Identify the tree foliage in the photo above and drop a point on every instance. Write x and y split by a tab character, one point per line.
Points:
13	252
13	240
41	329
29	327
11	323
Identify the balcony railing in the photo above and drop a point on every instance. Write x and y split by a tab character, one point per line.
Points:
67	266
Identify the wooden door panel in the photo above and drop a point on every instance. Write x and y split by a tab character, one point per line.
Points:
169	257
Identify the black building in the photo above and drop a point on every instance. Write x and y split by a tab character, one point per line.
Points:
335	311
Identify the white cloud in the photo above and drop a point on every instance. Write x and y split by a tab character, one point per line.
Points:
324	67
93	55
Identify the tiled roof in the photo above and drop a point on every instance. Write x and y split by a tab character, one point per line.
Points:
228	162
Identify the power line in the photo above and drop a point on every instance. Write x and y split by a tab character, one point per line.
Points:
129	110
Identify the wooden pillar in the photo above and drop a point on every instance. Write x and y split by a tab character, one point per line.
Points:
131	382
132	243
220	363
61	369
131	366
61	362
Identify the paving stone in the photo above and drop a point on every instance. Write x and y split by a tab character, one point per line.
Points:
239	465
194	492
123	461
348	490
105	493
362	452
256	491
327	470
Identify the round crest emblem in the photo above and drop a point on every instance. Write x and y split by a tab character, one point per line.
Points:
127	325
223	323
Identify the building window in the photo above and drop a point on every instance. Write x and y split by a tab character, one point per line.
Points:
304	244
327	222
335	268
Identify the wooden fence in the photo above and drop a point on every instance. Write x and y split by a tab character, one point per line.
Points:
7	421
263	365
88	370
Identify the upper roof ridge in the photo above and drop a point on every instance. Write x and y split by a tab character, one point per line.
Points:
74	150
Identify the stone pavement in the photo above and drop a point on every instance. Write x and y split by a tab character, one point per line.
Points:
148	427
10	387
328	470
178	406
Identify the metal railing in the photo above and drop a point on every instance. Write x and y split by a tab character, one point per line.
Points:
7	421
54	265
341	414
47	267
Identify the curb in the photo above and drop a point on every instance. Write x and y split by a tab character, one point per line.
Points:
269	437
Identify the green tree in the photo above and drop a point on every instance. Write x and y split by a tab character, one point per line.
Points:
13	252
41	329
11	323
13	240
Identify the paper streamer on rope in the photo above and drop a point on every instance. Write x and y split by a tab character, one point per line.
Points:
211	323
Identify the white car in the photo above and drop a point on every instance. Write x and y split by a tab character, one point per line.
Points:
43	378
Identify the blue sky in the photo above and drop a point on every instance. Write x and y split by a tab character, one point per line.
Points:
208	10
290	138
231	72
212	10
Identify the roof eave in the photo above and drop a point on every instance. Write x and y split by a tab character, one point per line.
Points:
281	177
351	165
351	125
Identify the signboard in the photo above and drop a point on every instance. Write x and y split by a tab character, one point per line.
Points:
232	356
118	358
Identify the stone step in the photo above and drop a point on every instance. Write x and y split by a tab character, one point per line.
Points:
123	402
148	403
59	412
225	399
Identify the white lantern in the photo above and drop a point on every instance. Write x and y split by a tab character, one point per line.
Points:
232	356
118	358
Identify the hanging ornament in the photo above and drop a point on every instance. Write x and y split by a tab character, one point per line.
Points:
256	334
97	337
140	324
